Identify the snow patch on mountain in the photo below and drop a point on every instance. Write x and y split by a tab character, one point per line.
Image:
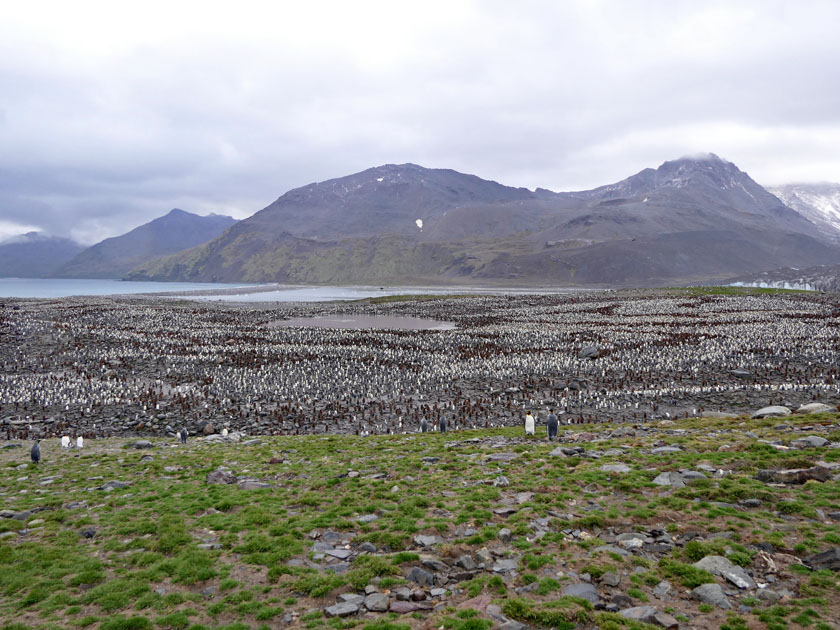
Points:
819	203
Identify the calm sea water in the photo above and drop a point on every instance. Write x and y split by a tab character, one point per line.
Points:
242	292
55	288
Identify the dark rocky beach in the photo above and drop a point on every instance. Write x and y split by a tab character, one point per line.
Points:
149	366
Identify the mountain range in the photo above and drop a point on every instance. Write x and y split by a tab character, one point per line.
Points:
693	219
35	255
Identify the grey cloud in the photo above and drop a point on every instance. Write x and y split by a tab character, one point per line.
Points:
560	95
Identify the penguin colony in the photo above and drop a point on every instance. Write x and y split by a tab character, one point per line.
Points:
93	367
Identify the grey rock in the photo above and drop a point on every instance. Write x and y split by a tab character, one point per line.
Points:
113	485
403	607
589	352
352	598
402	593
437	592
611	578
673	479
826	560
505	511
768	596
467	562
663	589
369	547
342	609
583	590
505	534
433	564
811	441
501	481
88	532
533	587
140	444
512	625
649	614
341	554
420	576
665	450
505	565
711	594
421	540
750	503
834	516
718	565
795	476
367	518
377	602
691	475
220	476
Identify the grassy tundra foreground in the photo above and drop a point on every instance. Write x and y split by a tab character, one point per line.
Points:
463	531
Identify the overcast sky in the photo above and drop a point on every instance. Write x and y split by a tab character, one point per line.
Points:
113	113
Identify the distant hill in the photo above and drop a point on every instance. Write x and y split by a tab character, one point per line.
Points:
819	203
174	232
693	219
35	255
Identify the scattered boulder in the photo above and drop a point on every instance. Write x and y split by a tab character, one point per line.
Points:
377	602
649	614
718	565
825	560
421	540
140	444
113	485
221	476
583	590
589	352
811	441
673	479
795	476
342	609
711	594
402	607
420	576
208	429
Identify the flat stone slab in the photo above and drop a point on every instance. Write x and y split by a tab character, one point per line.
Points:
810	441
649	614
718	565
673	479
711	594
342	609
795	476
826	560
377	602
505	565
403	607
583	590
